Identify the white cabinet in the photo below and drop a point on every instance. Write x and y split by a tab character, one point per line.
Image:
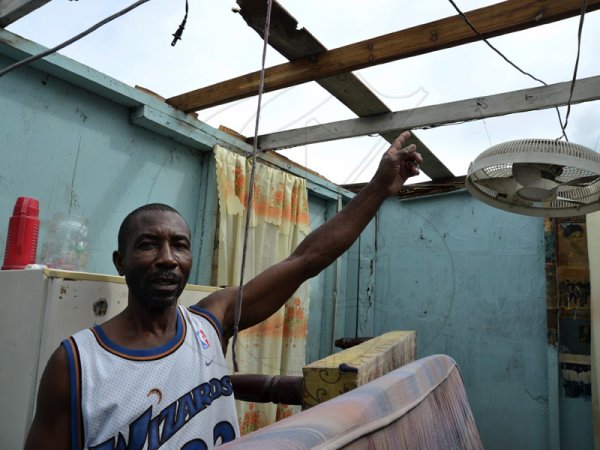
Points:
40	308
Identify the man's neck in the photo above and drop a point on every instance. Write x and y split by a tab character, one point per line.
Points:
137	327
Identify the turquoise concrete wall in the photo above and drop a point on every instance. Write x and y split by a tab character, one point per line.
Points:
76	152
576	423
317	325
333	294
470	280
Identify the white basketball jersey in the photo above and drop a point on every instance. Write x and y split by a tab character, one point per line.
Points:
177	396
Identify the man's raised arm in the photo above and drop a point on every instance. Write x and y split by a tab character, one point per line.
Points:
268	291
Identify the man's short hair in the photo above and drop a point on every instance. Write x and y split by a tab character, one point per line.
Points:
124	228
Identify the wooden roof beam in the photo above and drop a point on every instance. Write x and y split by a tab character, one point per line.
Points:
13	10
494	20
586	89
294	43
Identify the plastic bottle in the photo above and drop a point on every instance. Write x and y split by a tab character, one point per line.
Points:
22	238
66	244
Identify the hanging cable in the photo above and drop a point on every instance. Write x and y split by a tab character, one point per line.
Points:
574	80
70	41
261	86
179	32
470	24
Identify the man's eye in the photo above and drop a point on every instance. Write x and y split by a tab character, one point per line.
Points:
181	245
146	245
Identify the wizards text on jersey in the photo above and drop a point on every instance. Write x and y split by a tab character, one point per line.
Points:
171	419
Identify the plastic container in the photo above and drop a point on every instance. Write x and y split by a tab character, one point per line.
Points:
66	243
22	237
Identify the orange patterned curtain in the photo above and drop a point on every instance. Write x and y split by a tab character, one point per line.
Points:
278	223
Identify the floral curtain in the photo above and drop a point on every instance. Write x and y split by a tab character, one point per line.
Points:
278	223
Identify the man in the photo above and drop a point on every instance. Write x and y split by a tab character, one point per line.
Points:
155	374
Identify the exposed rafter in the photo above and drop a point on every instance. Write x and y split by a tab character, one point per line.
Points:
494	20
294	43
586	89
13	10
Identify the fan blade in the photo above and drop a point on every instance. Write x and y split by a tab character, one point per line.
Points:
570	200
502	185
519	201
582	181
577	182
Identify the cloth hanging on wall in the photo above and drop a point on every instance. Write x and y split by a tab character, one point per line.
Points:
593	241
279	222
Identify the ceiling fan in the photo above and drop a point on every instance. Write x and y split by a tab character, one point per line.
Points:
538	177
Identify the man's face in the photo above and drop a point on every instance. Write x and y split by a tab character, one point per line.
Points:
157	258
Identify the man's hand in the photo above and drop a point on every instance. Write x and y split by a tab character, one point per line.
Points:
397	165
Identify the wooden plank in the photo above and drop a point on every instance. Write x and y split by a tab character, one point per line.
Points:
494	20
366	300
570	358
205	227
294	43
341	372
586	89
185	129
13	10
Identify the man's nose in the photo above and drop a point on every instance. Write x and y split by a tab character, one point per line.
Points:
166	256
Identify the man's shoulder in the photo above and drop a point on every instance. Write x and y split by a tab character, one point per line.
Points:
79	336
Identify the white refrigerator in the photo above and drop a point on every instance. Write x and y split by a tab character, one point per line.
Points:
40	308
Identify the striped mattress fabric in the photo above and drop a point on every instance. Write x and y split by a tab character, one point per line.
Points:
422	405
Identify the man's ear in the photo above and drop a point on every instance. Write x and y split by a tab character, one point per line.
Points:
118	261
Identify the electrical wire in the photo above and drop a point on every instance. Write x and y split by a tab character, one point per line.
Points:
261	86
573	81
562	126
483	38
179	32
32	58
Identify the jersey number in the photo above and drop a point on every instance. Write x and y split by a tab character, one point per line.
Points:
223	432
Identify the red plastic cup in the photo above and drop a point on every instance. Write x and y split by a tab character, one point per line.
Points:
23	230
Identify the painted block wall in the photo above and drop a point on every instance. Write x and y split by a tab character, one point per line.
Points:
470	280
332	293
76	152
84	143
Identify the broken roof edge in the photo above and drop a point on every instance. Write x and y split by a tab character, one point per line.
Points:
424	189
149	111
68	70
17	48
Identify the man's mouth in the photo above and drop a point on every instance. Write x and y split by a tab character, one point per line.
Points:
165	281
